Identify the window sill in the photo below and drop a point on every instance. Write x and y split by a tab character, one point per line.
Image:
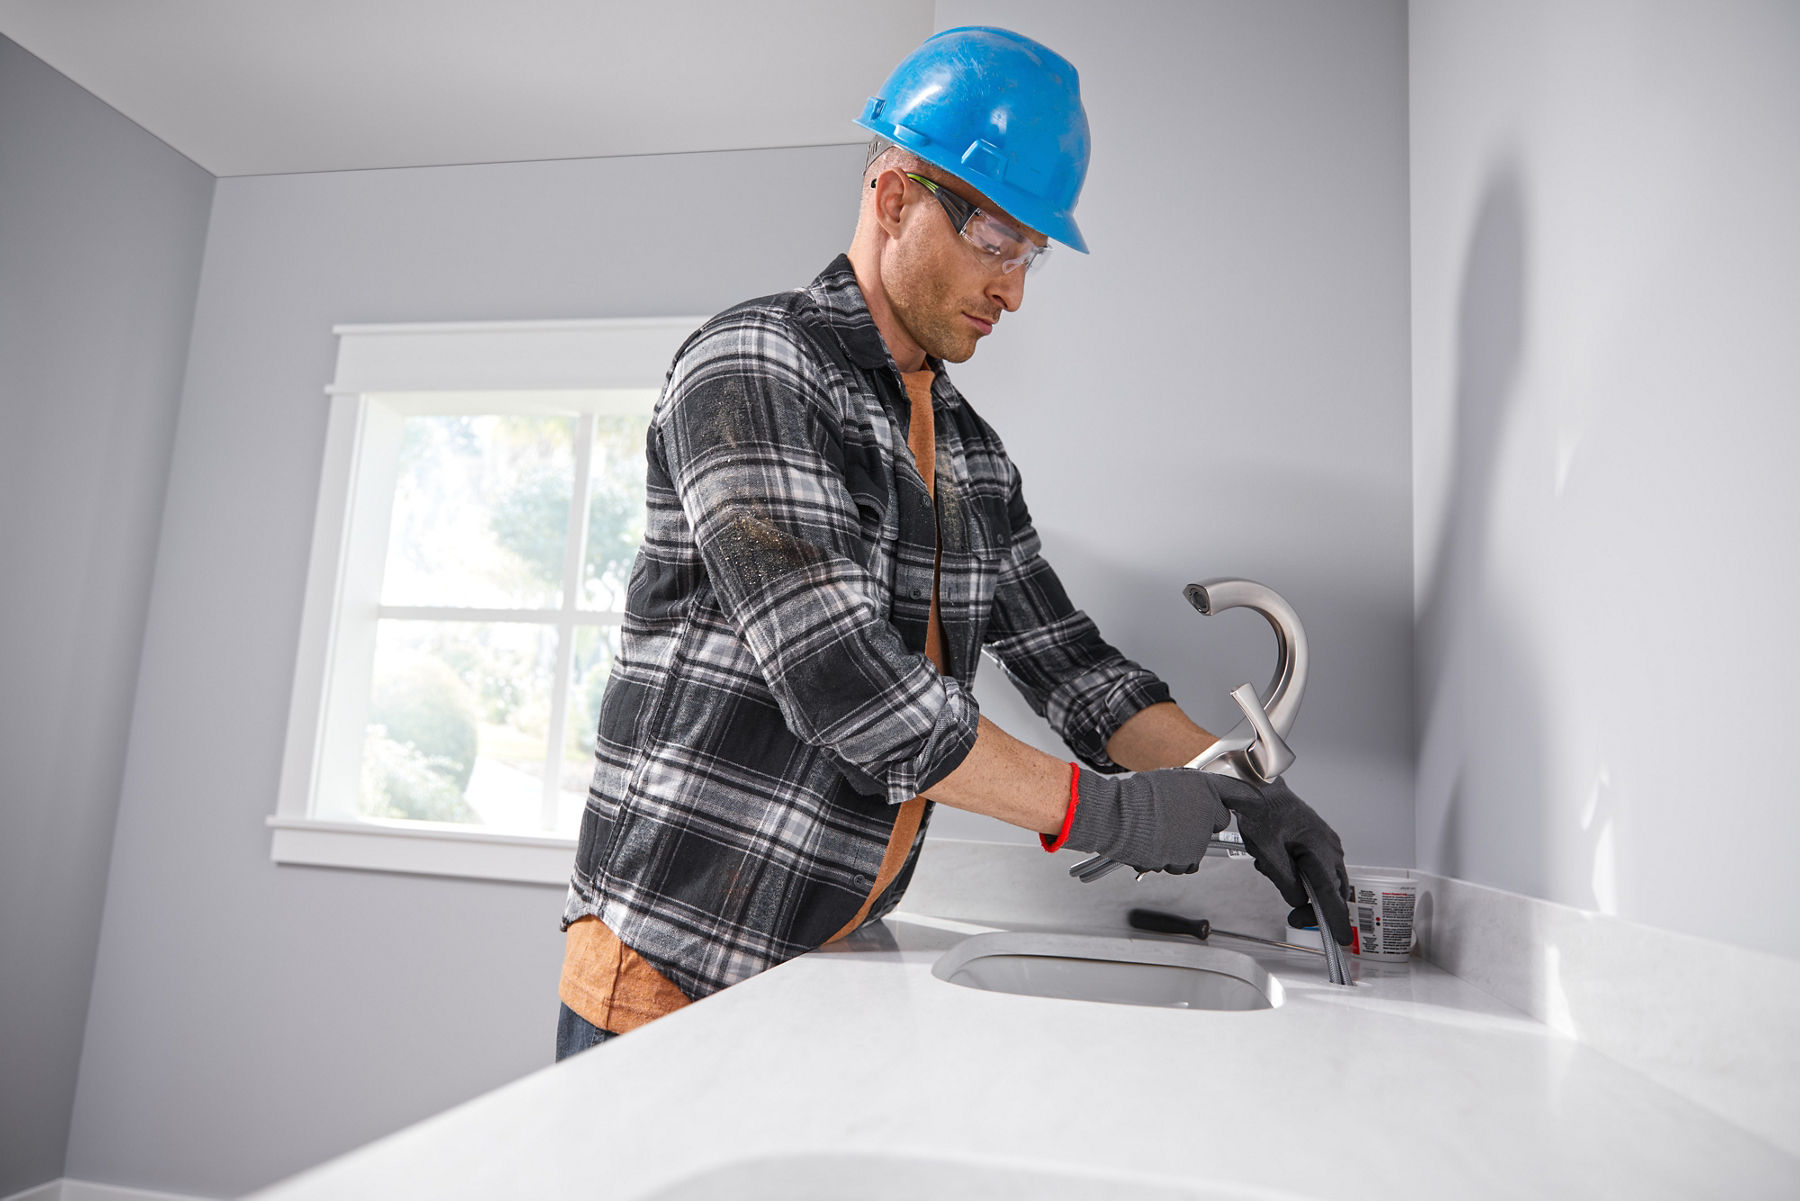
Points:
425	849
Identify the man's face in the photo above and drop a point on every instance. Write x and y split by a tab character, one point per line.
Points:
946	292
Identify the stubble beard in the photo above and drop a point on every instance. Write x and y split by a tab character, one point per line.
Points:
932	316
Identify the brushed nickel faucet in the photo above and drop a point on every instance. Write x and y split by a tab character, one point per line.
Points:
1256	749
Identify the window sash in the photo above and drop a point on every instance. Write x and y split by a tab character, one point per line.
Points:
386	373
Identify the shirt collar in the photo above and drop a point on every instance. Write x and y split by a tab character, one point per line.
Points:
845	310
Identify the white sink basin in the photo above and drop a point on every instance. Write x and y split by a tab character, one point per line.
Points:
1119	971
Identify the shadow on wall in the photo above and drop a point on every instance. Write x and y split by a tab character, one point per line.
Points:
1484	809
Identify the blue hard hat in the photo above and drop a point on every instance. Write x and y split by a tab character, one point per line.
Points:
998	111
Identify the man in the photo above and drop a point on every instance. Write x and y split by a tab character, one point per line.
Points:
833	537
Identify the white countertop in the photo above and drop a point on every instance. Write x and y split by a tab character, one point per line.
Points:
853	1072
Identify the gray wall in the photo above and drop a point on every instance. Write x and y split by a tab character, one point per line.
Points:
1606	334
1220	388
249	1020
101	232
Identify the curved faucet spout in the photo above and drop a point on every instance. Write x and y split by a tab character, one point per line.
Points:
1281	701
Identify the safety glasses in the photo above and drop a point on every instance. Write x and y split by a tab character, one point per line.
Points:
984	231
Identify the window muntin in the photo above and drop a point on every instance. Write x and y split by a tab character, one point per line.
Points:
510	536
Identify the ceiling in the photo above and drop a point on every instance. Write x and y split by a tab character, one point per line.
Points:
255	87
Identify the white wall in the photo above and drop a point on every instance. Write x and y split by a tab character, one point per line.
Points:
101	230
1220	388
1606	366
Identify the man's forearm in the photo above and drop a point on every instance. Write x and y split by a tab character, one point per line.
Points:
1004	778
1157	736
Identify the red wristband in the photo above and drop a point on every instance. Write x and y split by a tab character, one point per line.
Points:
1068	815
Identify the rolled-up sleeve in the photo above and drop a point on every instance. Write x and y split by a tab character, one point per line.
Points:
1054	654
748	434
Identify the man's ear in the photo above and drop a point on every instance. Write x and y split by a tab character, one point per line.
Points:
890	200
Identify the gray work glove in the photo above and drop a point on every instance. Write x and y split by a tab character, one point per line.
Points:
1289	841
1152	820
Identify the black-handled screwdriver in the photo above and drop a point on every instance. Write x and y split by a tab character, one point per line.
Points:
1170	923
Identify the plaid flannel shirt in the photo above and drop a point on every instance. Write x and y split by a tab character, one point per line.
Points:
772	703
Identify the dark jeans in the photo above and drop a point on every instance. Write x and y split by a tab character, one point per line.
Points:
575	1033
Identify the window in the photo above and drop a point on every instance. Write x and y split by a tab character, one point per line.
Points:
480	505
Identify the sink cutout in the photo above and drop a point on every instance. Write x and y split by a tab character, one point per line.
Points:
877	1176
1117	971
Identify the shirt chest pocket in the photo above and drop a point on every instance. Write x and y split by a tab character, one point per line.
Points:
971	508
872	490
975	540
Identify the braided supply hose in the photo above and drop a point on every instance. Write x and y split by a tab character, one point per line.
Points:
1337	965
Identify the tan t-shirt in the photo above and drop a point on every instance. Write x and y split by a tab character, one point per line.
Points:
615	988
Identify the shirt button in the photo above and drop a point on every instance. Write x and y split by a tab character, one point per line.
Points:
861	880
918	593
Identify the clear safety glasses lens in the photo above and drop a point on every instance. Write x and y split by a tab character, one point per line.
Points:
986	232
993	236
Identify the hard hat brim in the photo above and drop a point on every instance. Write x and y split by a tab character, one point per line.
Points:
1021	206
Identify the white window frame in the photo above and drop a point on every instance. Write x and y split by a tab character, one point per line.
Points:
592	367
